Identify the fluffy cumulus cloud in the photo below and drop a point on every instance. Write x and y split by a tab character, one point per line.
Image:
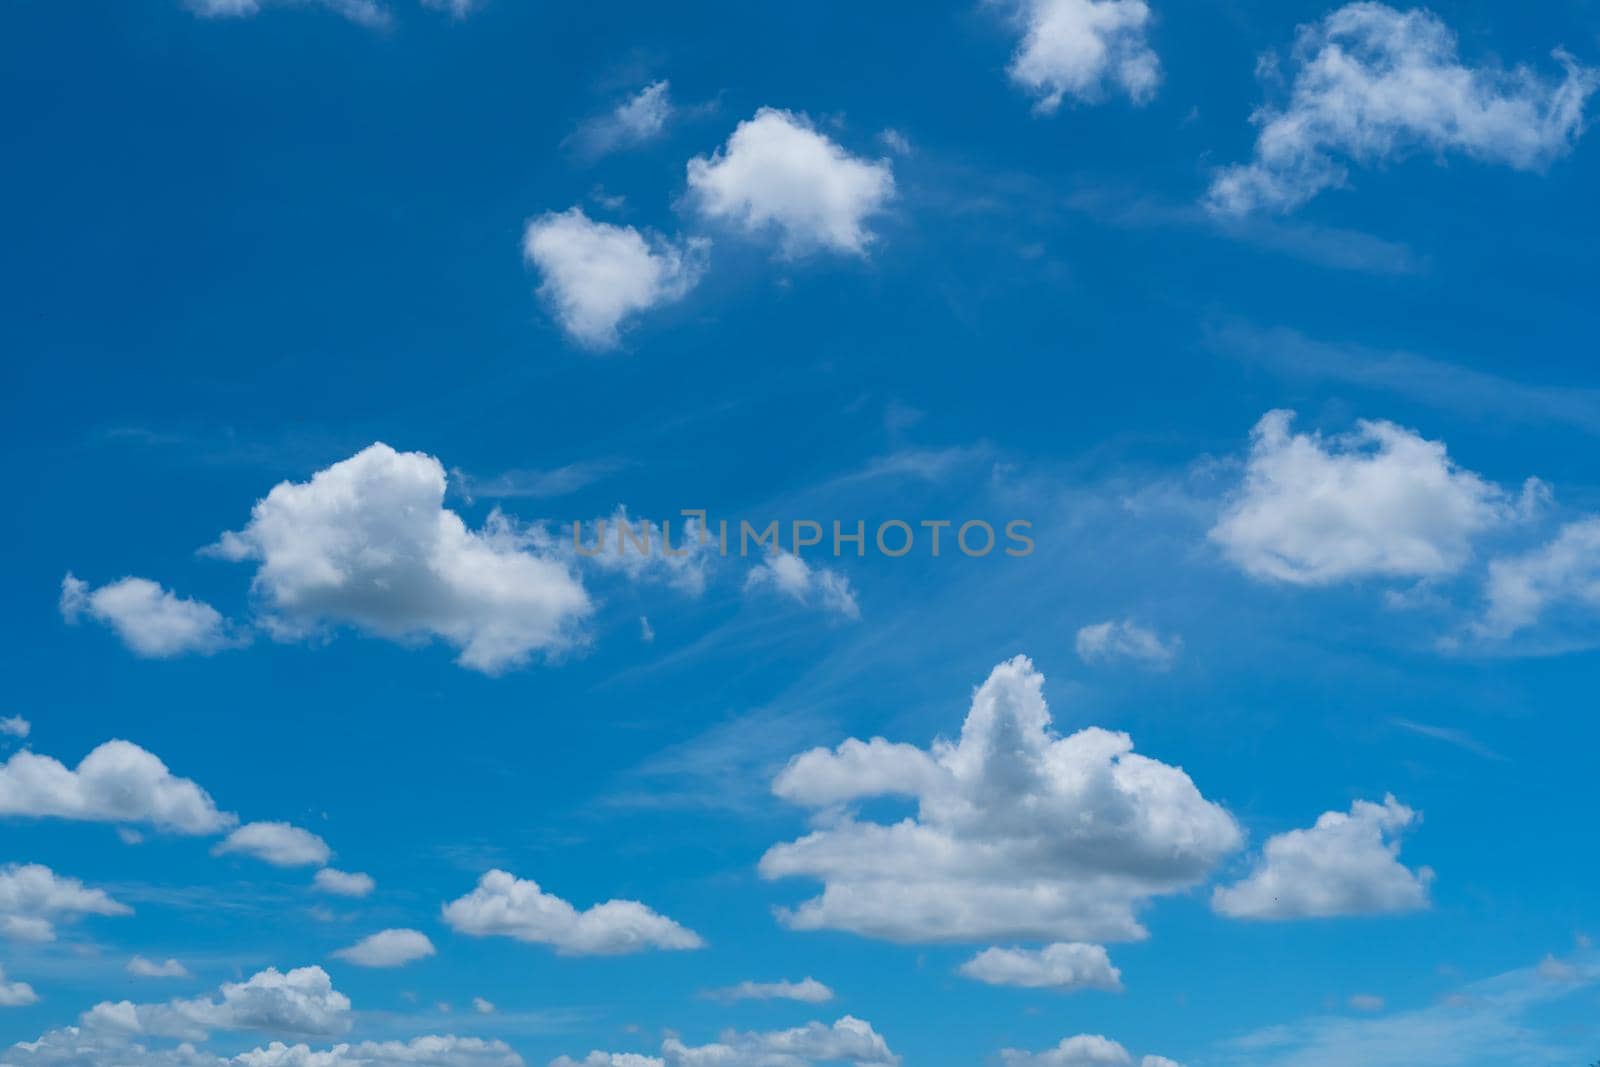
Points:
1347	864
807	991
793	577
1066	967
1019	833
140	967
503	905
277	843
779	173
1379	502
848	1040
364	12
15	994
343	883
1105	642
368	542
152	621
388	948
1085	1050
1080	48
1372	83
595	276
1561	575
15	726
118	782
298	1002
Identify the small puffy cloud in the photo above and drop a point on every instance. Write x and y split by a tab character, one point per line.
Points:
368	542
445	1051
153	622
1565	573
140	967
640	118
15	726
503	905
1080	48
1064	966
1379	502
778	172
388	948
807	991
848	1040
1372	84
343	883
482	1006
364	12
1103	642
15	994
1347	864
301	1002
1019	833
595	276
1085	1050
798	580
277	843
118	782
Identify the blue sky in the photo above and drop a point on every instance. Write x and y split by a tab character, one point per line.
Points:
328	320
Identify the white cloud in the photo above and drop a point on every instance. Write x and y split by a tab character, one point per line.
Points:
446	1051
368	542
1379	502
503	905
1084	1050
1372	83
277	843
1064	966
302	1002
365	12
343	883
596	276
15	726
848	1040
640	118
1019	833
388	948
482	1006
778	172
1344	865
1563	573
140	967
118	782
1079	48
807	991
795	578
153	622
15	994
638	548
1106	641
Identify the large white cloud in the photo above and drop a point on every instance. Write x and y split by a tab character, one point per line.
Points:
1019	833
1084	1050
277	843
152	621
118	782
368	542
1563	573
1379	502
33	898
848	1040
388	948
1372	83
298	1002
1079	48
779	172
1347	864
503	905
596	276
1064	966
